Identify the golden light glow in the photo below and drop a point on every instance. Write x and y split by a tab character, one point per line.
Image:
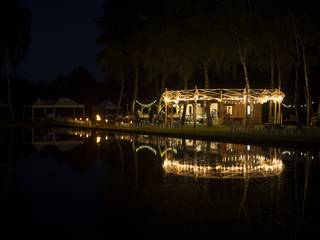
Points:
146	147
98	118
107	120
258	167
224	95
98	140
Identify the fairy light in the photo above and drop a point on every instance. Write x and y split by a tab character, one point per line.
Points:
260	166
235	96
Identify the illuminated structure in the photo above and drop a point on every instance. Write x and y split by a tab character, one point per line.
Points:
224	104
227	161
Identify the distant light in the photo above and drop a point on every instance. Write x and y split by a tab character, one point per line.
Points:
130	122
106	138
106	120
98	140
98	118
80	119
248	147
87	119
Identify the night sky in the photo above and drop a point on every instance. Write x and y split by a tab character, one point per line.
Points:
63	36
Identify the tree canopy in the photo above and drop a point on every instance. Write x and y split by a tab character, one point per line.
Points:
231	43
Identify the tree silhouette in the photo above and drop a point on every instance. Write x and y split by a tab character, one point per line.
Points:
14	42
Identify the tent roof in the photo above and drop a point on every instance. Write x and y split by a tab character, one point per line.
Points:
107	104
41	103
67	102
60	103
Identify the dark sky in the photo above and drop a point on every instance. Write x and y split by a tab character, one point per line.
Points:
63	36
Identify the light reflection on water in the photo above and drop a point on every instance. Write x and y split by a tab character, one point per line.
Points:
186	157
179	185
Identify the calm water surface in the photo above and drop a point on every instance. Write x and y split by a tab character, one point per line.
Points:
58	184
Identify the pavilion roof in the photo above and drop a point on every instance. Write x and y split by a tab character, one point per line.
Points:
223	95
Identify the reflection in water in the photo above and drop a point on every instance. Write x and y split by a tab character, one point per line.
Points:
150	183
63	140
206	159
213	159
224	161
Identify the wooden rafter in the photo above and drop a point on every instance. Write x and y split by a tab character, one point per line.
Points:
223	95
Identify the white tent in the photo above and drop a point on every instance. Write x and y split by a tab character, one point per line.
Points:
50	108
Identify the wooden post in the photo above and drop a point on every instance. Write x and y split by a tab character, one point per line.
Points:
275	117
166	114
195	114
279	113
245	108
171	115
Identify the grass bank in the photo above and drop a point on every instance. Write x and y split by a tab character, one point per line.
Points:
286	137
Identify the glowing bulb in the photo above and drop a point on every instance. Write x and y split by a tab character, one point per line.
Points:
98	140
98	118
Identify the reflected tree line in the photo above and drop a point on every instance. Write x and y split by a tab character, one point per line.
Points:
230	44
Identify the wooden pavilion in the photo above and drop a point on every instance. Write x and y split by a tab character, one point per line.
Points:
225	105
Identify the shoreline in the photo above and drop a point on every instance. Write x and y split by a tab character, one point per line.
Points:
306	138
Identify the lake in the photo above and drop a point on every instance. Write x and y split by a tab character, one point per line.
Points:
62	183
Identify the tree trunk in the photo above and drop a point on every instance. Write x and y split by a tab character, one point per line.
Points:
245	71
279	75
243	60
135	88
206	86
297	96
297	84
183	118
307	87
121	91
162	87
272	86
163	81
11	116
